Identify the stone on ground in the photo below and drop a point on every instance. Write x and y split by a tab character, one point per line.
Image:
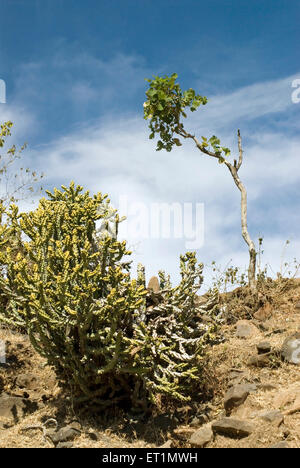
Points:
264	347
201	437
232	427
290	350
64	434
273	416
14	408
236	396
245	329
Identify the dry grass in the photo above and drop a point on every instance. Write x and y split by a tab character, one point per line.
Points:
285	378
115	429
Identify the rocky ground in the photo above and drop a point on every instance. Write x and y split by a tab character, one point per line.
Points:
256	381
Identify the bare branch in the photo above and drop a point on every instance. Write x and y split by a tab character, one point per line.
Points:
199	146
240	150
234	172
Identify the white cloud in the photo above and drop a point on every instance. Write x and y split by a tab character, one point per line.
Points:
24	121
249	102
79	81
115	156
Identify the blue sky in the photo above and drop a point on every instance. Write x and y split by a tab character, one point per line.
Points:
74	73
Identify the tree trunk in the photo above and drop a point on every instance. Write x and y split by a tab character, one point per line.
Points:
245	233
234	172
248	240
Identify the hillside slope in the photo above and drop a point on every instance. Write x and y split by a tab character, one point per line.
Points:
255	402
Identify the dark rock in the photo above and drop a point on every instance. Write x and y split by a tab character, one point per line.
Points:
290	350
264	347
201	437
262	360
232	427
236	396
63	435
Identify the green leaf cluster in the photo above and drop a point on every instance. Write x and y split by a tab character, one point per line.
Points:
165	105
214	145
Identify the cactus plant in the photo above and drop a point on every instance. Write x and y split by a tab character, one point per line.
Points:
75	297
70	287
172	336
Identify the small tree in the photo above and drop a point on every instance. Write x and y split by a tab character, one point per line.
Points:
15	185
165	107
